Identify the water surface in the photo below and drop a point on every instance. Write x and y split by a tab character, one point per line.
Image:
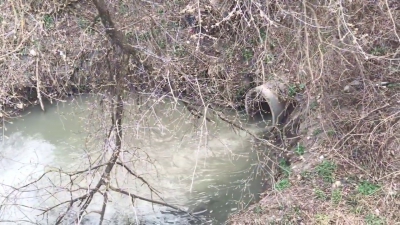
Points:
201	166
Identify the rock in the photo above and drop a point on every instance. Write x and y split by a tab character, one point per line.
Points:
63	56
215	3
337	184
32	52
355	83
352	85
20	106
347	88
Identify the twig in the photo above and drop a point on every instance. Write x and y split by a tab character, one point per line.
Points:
146	199
103	209
223	118
139	177
39	95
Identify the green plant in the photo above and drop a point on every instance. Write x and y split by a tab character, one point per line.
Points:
37	45
179	51
284	166
254	41
144	36
230	53
352	201
314	105
393	85
336	196
367	188
263	34
282	184
374	220
258	209
322	219
297	210
300	149
129	35
306	174
48	21
161	44
84	24
326	170
357	210
269	58
288	219
272	45
316	132
241	92
331	133
123	9
323	49
247	54
173	25
377	51
178	2
320	194
294	89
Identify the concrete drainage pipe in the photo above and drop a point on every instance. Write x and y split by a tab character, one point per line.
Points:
263	101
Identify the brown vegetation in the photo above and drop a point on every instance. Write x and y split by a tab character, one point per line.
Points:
340	61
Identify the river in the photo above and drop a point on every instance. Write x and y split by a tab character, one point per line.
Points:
202	166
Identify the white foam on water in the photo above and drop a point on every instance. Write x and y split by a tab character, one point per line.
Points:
22	160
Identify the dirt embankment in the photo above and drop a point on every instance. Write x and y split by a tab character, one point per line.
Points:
344	59
340	62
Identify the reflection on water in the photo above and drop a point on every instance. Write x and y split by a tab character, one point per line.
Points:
204	167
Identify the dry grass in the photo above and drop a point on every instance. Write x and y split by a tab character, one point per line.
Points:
315	47
57	48
325	47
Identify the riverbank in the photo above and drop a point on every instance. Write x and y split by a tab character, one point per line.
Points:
344	170
345	166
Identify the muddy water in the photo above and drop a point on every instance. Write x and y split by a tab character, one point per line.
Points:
202	166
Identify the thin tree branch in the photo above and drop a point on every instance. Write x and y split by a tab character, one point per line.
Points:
103	209
139	177
146	199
